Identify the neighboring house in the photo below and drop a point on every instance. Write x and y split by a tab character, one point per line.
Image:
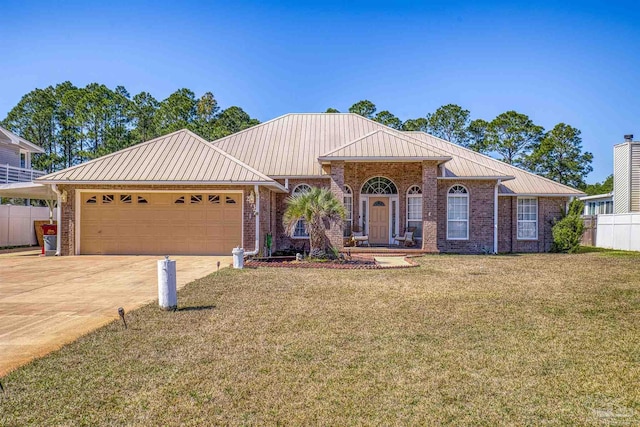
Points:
180	194
626	176
15	158
598	204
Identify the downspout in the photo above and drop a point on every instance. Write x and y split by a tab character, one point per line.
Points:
495	217
257	214
54	187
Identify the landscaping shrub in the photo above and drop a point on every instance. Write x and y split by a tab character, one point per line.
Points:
567	232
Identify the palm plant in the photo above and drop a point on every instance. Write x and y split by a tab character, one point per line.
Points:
319	208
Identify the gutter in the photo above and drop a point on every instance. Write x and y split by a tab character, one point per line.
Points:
495	217
257	214
54	187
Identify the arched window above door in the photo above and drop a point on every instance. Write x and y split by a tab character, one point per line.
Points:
379	185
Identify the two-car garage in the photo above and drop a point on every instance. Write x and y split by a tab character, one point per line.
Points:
177	194
159	223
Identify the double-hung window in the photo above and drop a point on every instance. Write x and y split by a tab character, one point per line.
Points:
458	213
527	218
414	210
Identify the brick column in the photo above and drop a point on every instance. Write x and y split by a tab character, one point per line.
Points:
429	206
337	188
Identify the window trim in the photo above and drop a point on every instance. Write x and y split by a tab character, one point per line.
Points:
536	221
466	195
293	193
412	195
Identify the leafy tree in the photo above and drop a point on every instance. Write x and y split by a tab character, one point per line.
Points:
232	120
331	110
69	125
449	122
559	156
319	208
206	113
143	111
567	232
512	135
603	187
419	124
477	135
76	124
388	119
34	119
118	132
176	112
364	108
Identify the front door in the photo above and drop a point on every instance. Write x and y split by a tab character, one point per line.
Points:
379	220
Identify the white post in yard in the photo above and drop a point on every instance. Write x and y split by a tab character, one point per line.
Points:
167	292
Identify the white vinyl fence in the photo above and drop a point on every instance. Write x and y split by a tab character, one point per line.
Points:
16	224
619	231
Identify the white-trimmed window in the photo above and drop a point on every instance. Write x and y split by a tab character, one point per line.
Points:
527	218
458	213
348	207
300	231
414	210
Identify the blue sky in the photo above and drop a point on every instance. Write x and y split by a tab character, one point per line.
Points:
572	62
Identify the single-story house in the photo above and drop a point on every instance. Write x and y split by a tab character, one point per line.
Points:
181	194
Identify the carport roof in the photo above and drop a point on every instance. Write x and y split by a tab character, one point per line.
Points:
181	157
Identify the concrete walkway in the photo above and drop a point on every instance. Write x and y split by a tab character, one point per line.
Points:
392	261
46	302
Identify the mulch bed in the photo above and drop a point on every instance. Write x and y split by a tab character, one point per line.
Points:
359	262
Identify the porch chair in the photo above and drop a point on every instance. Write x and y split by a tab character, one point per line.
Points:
407	239
359	238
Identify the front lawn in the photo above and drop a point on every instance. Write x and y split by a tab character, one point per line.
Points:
463	340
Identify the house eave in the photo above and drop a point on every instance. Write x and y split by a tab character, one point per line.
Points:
272	184
476	178
540	194
386	159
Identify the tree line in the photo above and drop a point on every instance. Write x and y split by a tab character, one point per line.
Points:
75	124
511	137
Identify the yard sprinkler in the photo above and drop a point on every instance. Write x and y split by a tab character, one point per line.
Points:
121	314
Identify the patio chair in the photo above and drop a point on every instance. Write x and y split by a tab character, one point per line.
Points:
359	238
407	239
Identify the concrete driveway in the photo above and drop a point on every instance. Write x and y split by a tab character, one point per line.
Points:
46	302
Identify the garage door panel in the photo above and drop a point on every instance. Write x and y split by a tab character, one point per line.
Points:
153	223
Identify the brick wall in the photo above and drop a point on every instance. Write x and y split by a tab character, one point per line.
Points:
68	227
481	198
281	239
403	175
549	209
272	206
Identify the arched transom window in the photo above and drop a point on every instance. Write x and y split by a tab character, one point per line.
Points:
414	210
379	185
458	213
300	230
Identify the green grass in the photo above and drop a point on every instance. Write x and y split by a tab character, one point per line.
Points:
462	340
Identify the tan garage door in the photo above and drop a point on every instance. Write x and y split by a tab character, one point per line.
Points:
160	223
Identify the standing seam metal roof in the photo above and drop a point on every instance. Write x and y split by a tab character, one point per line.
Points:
291	145
180	156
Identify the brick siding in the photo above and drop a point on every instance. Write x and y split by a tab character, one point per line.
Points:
404	175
